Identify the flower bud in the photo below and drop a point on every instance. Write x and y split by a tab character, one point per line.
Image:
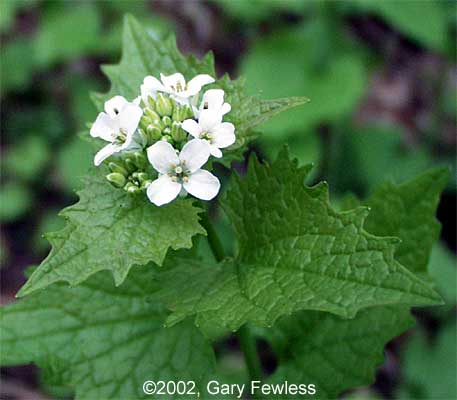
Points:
144	137
142	177
151	114
154	132
151	103
180	113
139	159
164	105
116	167
166	120
144	123
116	179
130	165
145	184
167	138
177	133
131	188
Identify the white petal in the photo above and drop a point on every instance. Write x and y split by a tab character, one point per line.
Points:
191	126
103	127
195	154
226	107
180	99
129	118
163	190
151	85
215	152
224	135
196	83
202	184
162	156
115	105
213	98
208	119
172	81
105	152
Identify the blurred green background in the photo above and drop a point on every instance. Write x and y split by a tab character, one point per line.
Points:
382	80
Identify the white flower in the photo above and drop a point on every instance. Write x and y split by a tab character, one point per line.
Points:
179	174
213	100
211	129
175	85
116	125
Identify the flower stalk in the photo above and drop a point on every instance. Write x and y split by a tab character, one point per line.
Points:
244	334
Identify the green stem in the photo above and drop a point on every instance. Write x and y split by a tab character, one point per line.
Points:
248	347
213	239
245	337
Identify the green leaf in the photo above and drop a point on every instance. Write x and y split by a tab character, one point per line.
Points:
103	341
339	354
144	54
333	353
109	229
295	253
442	268
408	212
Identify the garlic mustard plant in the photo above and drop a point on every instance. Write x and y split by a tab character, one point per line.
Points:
138	286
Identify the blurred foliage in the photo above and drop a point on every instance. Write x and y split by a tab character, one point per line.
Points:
363	157
429	366
15	200
26	159
427	23
50	57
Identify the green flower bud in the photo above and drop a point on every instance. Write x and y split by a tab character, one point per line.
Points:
116	179
154	132
177	133
144	137
145	121
142	177
130	165
164	105
117	167
151	114
166	120
180	113
166	131
145	184
131	188
167	138
140	159
151	103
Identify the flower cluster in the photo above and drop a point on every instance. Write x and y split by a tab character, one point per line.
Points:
160	141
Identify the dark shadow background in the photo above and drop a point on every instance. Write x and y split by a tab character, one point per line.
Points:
382	79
